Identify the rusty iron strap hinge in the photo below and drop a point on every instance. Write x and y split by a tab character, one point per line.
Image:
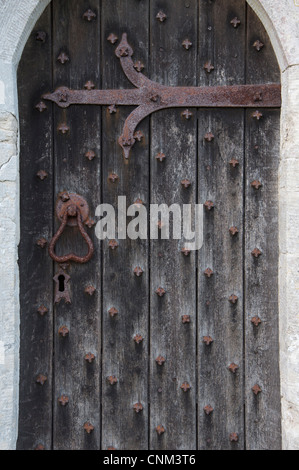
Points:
150	96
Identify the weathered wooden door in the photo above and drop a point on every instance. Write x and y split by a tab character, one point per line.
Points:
183	352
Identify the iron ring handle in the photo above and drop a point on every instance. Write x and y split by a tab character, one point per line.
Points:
71	211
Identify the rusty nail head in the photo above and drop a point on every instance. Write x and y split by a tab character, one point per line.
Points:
41	36
63	58
187	114
138	407
88	427
209	136
233	299
112	38
208	409
258	97
233	367
138	271
185	387
233	231
111	448
256	321
209	205
89	85
64	266
258	45
138	339
256	389
138	202
138	66
234	437
160	360
161	16
138	136
90	290
207	340
113	312
161	157
208	272
234	162
40	447
113	177
90	155
63	128
209	67
63	400
89	15
89	357
42	175
113	244
235	22
256	184
63	331
187	44
90	223
42	242
41	379
65	196
112	109
185	252
42	310
257	115
160	292
160	430
41	106
256	253
112	380
186	319
186	183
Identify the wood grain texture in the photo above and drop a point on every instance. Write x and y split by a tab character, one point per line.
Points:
36	206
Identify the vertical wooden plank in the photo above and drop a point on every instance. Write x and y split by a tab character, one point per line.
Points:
122	426
75	377
34	76
171	408
262	385
221	166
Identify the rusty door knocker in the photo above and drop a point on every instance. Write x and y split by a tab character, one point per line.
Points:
71	210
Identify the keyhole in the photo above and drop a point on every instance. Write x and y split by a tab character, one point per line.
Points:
61	280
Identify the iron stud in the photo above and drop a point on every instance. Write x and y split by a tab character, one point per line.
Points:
90	290
185	252
160	157
258	97
89	85
138	271
160	292
257	115
113	312
41	36
138	203
258	45
138	339
208	273
41	106
40	447
186	183
113	244
256	184
138	407
63	128
187	44
209	67
63	58
90	223
209	205
208	410
112	380
207	340
42	242
89	357
233	231
89	15
233	299
63	400
112	38
160	360
256	253
256	321
138	136
233	437
90	155
88	427
41	379
186	319
185	387
113	177
42	175
187	114
161	16
209	136
160	430
63	331
42	310
235	22
256	389
138	66
112	109
233	367
234	162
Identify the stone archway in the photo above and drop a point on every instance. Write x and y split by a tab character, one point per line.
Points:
280	20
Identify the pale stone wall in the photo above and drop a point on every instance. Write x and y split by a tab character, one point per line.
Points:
281	19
